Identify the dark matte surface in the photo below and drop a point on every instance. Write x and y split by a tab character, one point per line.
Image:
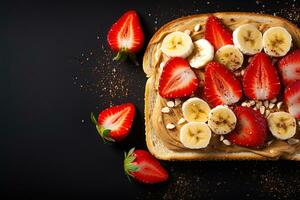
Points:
48	147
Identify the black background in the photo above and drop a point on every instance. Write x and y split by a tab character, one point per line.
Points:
52	55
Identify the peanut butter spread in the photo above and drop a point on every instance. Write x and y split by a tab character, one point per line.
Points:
273	148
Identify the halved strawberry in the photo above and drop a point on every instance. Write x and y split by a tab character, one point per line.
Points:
114	123
216	33
177	79
289	67
260	79
126	36
292	98
251	128
220	86
143	167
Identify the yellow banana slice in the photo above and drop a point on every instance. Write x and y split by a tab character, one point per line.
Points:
195	135
195	110
177	44
248	39
282	125
202	54
221	120
277	41
230	56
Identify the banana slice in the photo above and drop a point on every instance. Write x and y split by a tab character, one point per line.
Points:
195	135
195	110
282	125
230	56
248	39
177	44
277	41
221	120
202	54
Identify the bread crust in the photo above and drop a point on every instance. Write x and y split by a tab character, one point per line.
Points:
153	142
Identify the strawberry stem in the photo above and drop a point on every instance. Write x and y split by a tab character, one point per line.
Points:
104	133
129	167
123	54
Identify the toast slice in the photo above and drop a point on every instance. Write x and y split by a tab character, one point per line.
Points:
156	145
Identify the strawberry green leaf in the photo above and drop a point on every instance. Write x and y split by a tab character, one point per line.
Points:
121	56
93	118
105	133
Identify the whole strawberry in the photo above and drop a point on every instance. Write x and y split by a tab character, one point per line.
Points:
114	123
126	36
143	167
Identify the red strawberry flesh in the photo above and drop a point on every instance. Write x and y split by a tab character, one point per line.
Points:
143	167
221	87
260	80
126	35
118	120
216	33
292	98
251	128
177	79
290	67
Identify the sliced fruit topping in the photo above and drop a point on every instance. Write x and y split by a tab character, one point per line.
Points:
177	79
202	54
289	67
221	120
216	33
126	36
282	125
292	98
177	44
277	41
114	123
195	135
251	128
260	79
143	167
248	39
221	87
230	56
195	110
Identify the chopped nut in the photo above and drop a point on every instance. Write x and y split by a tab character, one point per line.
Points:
197	28
181	121
271	105
242	72
299	123
221	138
267	113
170	104
258	104
292	141
165	110
270	142
266	103
262	110
279	104
170	126
177	102
252	103
274	100
188	32
244	104
162	65
227	142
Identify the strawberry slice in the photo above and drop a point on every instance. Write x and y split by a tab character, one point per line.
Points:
114	123
251	128
216	33
292	98
221	87
177	79
143	167
126	36
261	80
289	67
